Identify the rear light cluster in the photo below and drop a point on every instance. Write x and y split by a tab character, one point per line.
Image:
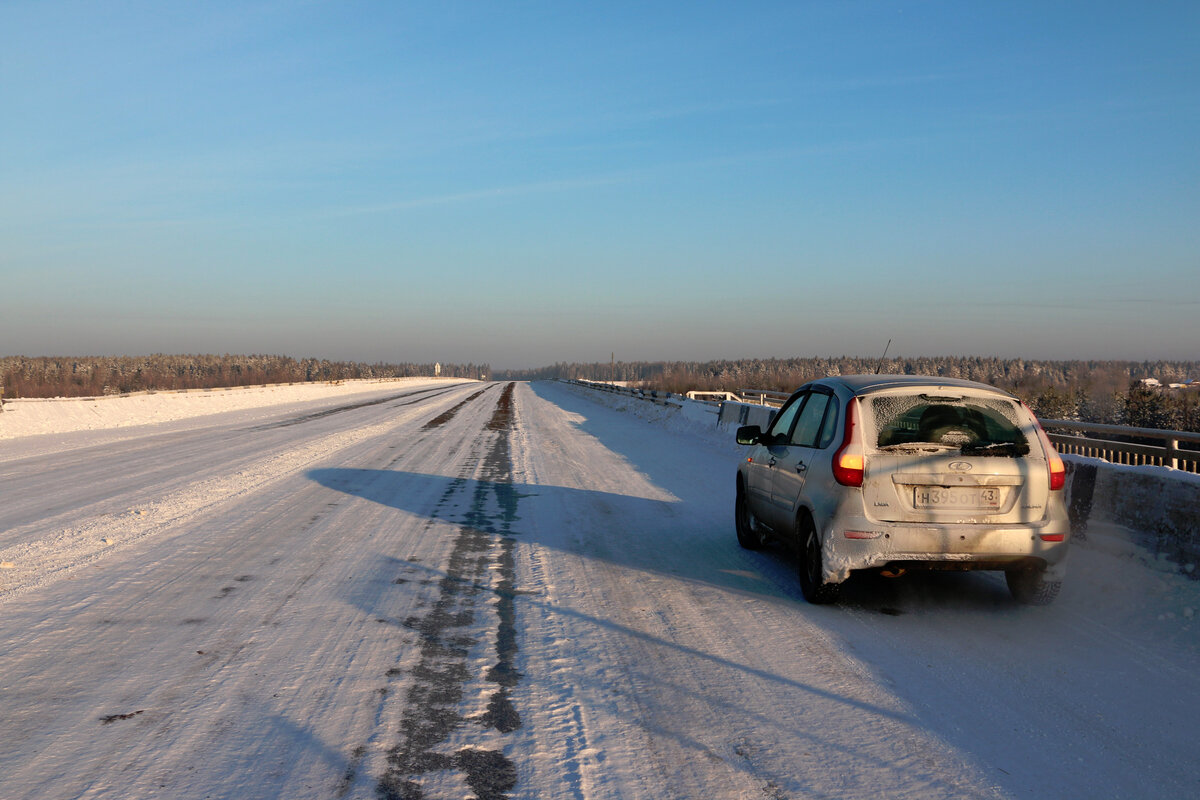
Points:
848	460
862	534
1058	470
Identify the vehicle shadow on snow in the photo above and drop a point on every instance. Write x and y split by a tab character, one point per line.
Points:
652	530
409	492
654	535
927	592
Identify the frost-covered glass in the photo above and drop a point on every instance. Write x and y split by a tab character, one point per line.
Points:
974	425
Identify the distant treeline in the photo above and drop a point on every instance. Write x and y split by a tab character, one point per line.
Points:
1092	391
92	376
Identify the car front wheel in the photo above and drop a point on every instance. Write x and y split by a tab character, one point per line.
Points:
748	535
812	574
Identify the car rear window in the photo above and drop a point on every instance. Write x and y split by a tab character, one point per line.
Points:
975	425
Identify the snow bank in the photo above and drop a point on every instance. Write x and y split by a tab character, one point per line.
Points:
1156	508
679	414
28	417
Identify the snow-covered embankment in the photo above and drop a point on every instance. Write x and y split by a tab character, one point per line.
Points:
33	416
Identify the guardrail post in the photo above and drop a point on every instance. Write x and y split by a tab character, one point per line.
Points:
1172	458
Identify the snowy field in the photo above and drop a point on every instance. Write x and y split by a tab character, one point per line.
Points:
457	590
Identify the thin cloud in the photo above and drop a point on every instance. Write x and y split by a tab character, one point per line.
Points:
479	194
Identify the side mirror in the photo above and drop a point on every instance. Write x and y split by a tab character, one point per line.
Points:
749	434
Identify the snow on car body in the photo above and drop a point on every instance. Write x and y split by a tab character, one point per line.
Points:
906	472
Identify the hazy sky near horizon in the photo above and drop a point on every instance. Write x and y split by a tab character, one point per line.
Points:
520	183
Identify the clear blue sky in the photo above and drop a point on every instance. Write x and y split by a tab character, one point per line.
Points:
521	183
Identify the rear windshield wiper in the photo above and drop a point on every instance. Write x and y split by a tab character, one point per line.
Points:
1013	449
916	447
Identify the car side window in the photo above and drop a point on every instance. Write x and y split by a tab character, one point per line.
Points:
808	424
778	432
829	426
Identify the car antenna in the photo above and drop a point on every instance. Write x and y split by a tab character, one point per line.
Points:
879	366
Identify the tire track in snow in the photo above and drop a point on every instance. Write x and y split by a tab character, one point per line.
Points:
419	396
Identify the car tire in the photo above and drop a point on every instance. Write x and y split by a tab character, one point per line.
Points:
748	535
812	574
1029	586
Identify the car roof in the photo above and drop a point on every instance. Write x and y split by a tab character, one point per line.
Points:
864	384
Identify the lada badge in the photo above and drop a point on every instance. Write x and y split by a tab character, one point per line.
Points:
960	466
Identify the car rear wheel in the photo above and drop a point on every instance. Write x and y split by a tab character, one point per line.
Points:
1030	587
812	574
748	534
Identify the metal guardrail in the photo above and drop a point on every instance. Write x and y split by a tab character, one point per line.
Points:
662	398
763	397
711	397
1137	453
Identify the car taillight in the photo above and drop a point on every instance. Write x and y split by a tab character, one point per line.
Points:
848	460
1058	472
1057	469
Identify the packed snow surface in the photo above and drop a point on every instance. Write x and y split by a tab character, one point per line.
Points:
453	590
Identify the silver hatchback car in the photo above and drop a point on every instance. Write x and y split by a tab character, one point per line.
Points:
900	472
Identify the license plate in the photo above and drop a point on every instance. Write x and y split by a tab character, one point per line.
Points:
986	497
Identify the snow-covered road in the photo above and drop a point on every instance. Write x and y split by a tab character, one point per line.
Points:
531	591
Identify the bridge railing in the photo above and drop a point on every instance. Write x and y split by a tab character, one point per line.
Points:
661	398
1135	446
712	397
763	397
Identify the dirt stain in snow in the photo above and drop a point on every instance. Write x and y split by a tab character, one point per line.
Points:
448	414
489	774
351	772
450	628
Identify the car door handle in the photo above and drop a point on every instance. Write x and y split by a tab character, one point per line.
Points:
801	467
771	463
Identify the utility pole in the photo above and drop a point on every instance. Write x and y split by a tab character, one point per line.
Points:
612	369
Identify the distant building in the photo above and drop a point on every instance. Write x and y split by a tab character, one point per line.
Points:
1155	383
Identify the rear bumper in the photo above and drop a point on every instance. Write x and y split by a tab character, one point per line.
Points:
858	543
